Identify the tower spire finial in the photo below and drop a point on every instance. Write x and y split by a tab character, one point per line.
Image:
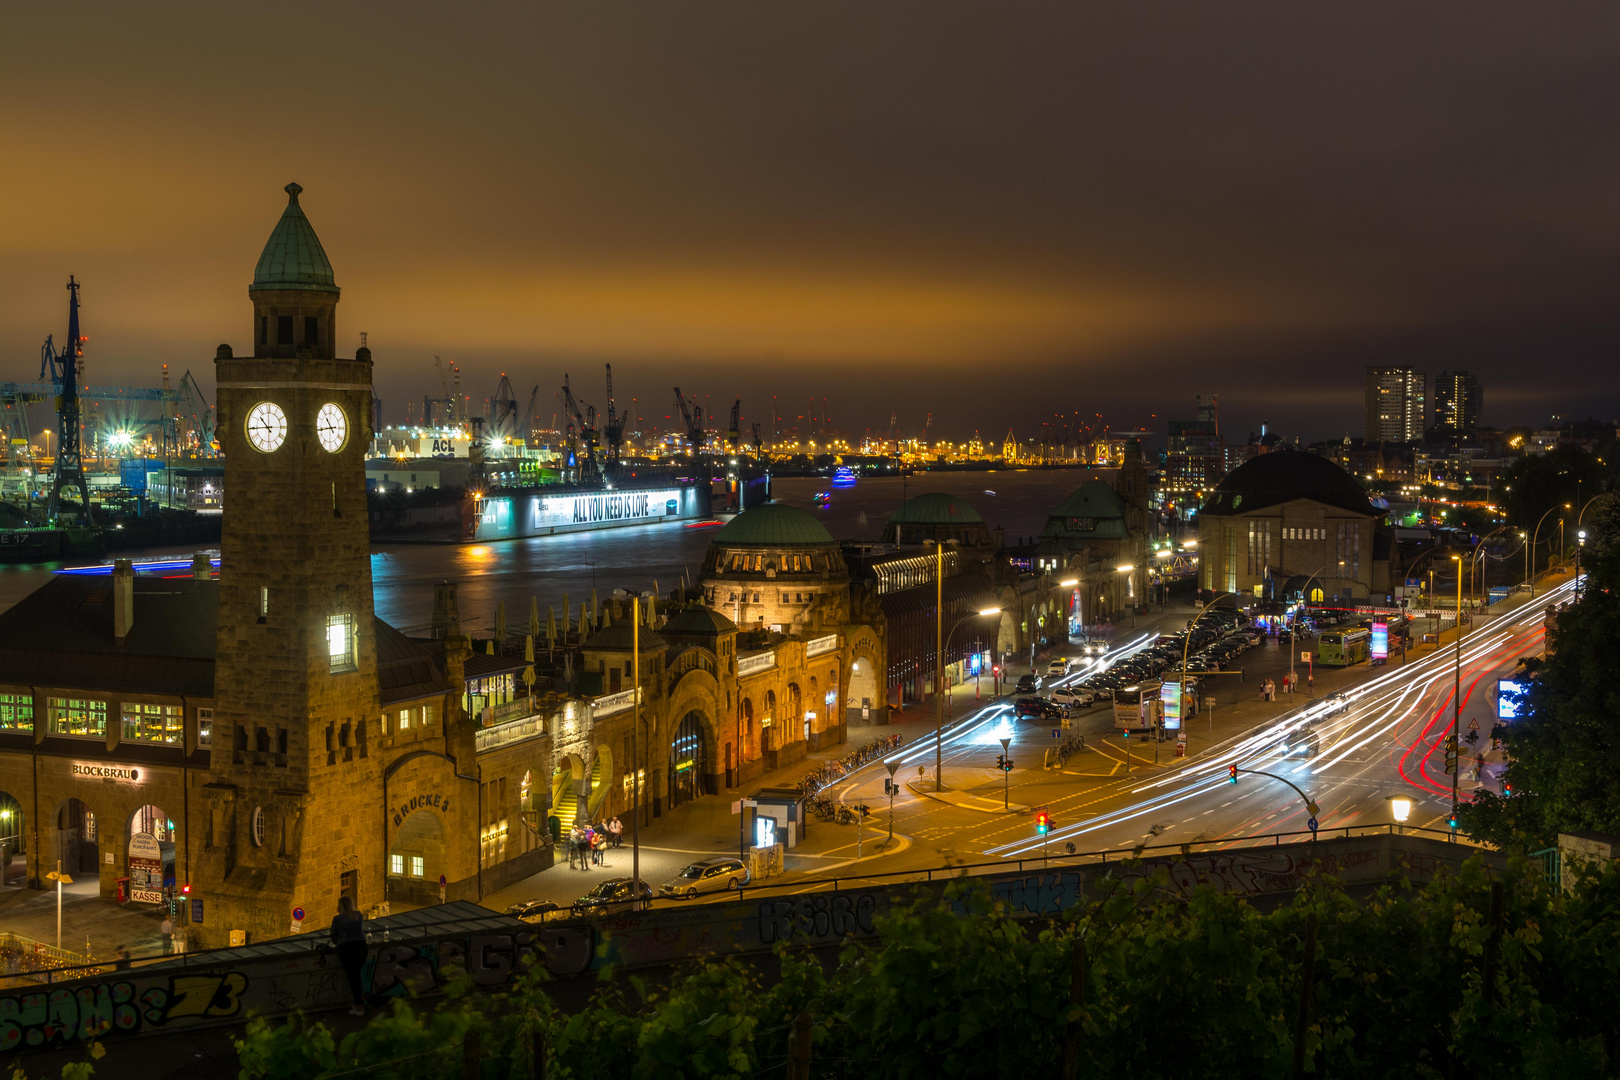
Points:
292	190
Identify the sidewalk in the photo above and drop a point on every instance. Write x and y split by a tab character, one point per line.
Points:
706	828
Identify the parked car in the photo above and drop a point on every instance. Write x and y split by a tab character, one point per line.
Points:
1034	708
1073	696
613	897
533	909
706	876
1028	684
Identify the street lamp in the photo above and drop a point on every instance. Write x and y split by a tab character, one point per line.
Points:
1074	583
1535	539
1293	625
1456	689
1400	807
942	640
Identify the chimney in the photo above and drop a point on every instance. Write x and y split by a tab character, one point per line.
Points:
446	620
123	582
202	567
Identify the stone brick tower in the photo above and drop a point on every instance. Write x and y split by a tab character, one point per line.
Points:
294	806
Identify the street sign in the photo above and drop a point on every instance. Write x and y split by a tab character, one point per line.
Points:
1304	657
1473	725
1057	733
298	914
196	909
1311	824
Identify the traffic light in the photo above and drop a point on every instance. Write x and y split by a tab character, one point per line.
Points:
1231	773
1043	822
1451	755
864	809
1507	786
185	890
1001	762
1452	819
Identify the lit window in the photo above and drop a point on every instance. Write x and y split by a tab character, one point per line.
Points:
396	864
152	723
340	642
76	716
417	866
16	712
404	719
205	727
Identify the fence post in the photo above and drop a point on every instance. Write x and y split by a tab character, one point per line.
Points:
539	1045
799	1049
470	1046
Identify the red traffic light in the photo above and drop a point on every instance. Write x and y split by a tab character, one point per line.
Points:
1231	773
185	890
1043	822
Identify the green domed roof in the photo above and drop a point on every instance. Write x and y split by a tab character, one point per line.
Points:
621	637
936	508
774	525
698	619
293	257
1094	499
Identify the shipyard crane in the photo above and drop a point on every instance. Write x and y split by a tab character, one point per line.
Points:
692	416
528	417
190	402
734	432
759	444
63	370
614	430
503	420
585	424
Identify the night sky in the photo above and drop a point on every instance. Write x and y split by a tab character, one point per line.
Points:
989	212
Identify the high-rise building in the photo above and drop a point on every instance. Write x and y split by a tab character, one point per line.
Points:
1195	459
1395	404
1457	402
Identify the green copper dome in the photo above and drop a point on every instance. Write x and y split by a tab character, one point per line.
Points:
937	508
293	257
774	525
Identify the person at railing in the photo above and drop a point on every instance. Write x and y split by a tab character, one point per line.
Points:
348	934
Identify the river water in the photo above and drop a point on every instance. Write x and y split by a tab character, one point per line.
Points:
551	567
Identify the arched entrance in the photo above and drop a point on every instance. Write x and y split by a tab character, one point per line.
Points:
13	843
567	785
417	853
687	762
77	845
863	688
149	840
796	713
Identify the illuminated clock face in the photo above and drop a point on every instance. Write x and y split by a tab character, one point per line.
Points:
266	426
331	427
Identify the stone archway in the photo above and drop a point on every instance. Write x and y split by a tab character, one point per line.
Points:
688	760
599	783
568	785
149	838
865	698
417	853
13	842
78	846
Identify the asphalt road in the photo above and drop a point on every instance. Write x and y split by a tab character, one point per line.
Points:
1387	740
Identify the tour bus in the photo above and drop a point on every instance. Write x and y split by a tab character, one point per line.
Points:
1137	708
1141	707
1341	648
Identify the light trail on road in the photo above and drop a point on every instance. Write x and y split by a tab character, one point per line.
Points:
1394	713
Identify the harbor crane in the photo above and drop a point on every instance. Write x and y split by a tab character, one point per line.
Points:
734	432
584	422
692	416
614	431
63	370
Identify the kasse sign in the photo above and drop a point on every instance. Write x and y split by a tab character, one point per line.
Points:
605	506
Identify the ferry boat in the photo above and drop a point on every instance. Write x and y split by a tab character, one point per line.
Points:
843	477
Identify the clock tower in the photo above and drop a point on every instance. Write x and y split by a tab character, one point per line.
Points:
294	767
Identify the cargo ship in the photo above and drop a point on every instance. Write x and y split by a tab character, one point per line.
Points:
516	513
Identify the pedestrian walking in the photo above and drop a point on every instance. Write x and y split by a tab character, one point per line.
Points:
616	827
599	845
348	933
121	958
166	928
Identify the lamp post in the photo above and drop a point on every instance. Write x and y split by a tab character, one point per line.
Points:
1535	538
943	639
1456	689
1293	635
1187	644
1473	563
1400	807
1006	748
